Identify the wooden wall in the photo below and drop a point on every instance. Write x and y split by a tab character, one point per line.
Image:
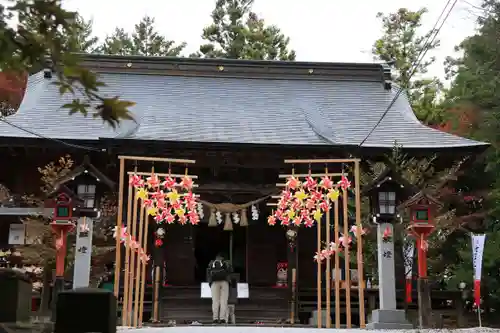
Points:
266	247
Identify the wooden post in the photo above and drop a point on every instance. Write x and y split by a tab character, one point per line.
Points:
133	255
126	276
337	267
119	216
328	267
138	267
156	300
345	215
144	244
361	287
319	287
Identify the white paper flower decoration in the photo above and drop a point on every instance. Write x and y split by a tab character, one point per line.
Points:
199	208
255	213
160	232
236	218
218	217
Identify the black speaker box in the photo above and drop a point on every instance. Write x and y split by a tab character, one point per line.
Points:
86	310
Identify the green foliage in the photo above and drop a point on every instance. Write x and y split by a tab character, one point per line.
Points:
48	33
402	45
238	33
145	40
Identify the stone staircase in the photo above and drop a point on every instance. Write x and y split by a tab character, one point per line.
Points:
184	305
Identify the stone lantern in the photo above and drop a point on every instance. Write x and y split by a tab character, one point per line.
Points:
386	193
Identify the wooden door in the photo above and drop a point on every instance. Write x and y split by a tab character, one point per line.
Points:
179	255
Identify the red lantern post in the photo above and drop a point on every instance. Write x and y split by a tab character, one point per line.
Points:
422	207
61	225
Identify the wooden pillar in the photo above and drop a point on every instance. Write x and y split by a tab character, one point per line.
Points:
157	281
292	259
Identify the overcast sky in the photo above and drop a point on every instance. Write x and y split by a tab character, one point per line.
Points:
320	30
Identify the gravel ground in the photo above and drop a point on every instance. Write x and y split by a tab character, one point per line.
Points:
214	329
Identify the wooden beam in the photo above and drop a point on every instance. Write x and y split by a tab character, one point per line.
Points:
160	174
312	161
26	211
156	159
299	175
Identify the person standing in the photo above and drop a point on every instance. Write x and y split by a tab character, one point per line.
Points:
232	300
219	271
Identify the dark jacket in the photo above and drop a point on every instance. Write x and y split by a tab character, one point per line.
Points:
227	266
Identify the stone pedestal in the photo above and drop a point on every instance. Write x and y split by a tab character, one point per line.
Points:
389	319
313	321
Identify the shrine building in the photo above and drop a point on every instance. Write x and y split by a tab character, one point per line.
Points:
239	120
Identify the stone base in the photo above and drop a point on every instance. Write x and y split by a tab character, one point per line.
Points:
313	321
389	319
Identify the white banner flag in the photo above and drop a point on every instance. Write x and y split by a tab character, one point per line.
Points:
477	262
477	254
408	253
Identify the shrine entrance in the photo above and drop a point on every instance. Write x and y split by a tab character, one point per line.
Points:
209	241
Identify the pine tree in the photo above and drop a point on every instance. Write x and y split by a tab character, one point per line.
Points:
401	44
238	33
145	40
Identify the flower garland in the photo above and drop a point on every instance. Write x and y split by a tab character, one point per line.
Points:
387	235
344	242
302	203
132	243
167	201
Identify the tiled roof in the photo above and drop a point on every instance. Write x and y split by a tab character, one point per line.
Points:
224	109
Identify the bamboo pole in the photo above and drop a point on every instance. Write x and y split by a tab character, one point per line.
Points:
302	175
159	174
337	266
328	277
138	267
361	287
156	159
133	255
347	261
292	305
119	216
334	160
127	258
156	294
319	287
143	264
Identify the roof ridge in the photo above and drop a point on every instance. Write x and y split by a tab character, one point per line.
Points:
240	68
